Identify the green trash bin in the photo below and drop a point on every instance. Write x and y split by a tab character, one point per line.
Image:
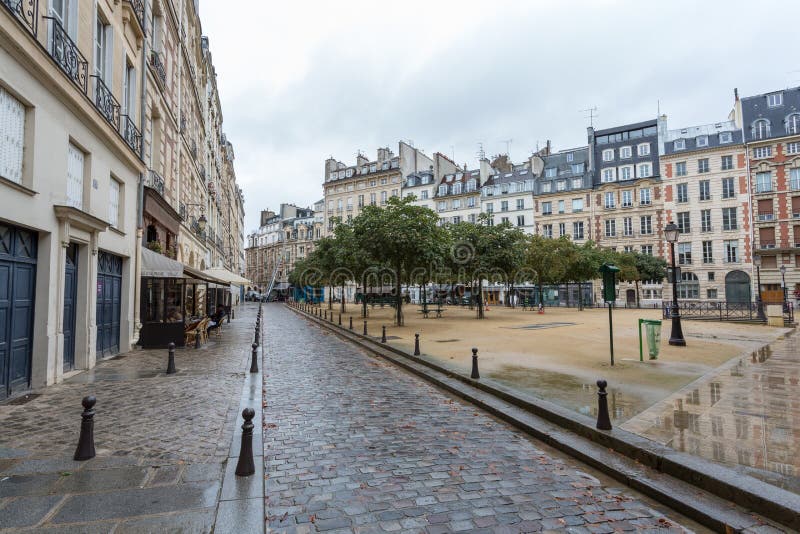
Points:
653	331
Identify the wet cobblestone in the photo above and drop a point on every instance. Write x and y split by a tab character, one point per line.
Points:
353	444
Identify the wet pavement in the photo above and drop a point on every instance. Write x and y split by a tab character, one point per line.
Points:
166	444
354	444
746	415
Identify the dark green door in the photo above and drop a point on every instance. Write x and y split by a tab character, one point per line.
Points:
70	301
737	287
17	292
109	295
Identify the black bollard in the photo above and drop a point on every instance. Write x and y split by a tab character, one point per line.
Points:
383	335
197	339
245	466
475	374
254	363
340	319
365	328
351	322
326	315
416	344
85	450
171	360
257	336
603	420
233	314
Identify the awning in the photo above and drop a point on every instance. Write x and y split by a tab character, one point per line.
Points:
203	277
281	286
225	274
155	265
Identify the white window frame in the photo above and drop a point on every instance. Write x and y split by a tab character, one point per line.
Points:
625	152
609	175
644	170
608	154
114	197
627	198
75	186
643	149
679	144
775	99
626	173
725	137
12	134
701	140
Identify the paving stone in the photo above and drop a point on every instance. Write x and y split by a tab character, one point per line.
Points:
27	511
235	517
199	521
13	486
236	487
102	479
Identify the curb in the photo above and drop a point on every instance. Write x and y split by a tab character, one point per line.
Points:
677	478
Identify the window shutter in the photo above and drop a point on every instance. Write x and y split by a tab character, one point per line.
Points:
795	205
12	133
765	206
75	177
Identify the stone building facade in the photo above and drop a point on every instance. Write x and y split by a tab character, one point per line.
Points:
91	98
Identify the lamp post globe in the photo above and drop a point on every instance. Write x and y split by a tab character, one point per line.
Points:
676	338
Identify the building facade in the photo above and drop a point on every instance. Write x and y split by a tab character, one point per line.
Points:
90	103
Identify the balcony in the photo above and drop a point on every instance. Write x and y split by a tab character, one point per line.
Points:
183	124
155	181
767	244
202	171
105	103
67	55
766	216
137	8
158	68
193	149
25	11
131	134
182	211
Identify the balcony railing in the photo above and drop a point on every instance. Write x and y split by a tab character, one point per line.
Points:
138	9
67	55
767	244
182	211
131	134
158	67
202	171
25	11
105	103
183	124
155	181
193	149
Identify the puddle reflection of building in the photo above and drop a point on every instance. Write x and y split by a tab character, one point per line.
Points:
620	406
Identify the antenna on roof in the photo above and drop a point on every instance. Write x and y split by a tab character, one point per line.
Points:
481	152
453	153
508	145
592	111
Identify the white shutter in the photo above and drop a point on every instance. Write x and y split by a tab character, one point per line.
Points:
12	134
113	203
75	177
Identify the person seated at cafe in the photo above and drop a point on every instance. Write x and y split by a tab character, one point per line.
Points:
216	319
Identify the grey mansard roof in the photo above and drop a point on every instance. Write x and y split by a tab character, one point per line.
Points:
756	107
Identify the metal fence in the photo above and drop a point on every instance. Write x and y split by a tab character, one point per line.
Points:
728	311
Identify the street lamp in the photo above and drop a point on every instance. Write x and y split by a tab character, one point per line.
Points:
671	233
783	285
759	302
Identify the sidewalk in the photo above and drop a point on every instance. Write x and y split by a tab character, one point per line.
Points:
165	443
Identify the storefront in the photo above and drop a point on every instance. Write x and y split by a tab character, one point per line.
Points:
162	301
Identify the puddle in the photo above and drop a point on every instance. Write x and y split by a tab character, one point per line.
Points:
541	326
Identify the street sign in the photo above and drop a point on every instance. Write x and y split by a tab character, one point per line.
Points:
609	282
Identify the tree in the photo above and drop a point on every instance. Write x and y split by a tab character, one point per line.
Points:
403	236
545	257
583	264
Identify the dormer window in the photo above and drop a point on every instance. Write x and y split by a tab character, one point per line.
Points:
443	189
625	152
679	144
471	185
410	182
702	140
774	100
349	173
570	157
644	149
457	188
761	129
725	137
550	172
608	155
373	167
793	123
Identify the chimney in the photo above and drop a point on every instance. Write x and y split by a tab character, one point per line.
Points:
736	93
361	159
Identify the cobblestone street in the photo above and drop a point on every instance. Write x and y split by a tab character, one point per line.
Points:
352	443
163	442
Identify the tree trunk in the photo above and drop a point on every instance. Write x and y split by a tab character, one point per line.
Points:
343	306
580	296
567	284
330	297
480	298
638	302
399	299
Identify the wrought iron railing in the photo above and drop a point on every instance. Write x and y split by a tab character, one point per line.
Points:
138	8
67	55
155	181
193	149
25	11
158	67
131	134
202	171
182	211
183	124
105	102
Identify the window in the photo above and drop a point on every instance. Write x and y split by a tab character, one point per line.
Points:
646	224
702	165
561	185
683	193
372	197
644	149
625	152
610	201
729	219
562	229
423	194
608	155
728	190
442	189
561	206
627	226
456	204
793	148
441	205
504	205
577	168
570	156
490	207
626	248
762	152
75	161
361	199
547	187
793	123
684	222
731	247
689	287
763	182
471	202
644	196
684	253
471	185
705	220
645	170
701	141
339	205
456	220
457	188
794	179
679	144
705	189
384	181
349	203
627	199
520	203
577	205
725	137
577	230
611	228
608	175
577	183
708	252
761	129
113	202
625	173
727	163
647	250
12	133
472	218
680	168
547	208
550	172
102	48
547	231
129	91
774	100
520	220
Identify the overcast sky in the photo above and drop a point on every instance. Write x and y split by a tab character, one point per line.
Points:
301	81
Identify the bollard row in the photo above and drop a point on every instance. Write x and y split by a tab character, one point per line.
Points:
245	466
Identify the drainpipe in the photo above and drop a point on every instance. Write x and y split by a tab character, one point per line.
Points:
137	276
